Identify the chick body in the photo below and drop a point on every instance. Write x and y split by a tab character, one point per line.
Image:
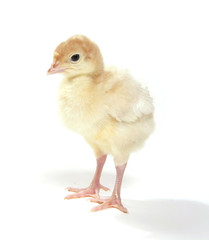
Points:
106	114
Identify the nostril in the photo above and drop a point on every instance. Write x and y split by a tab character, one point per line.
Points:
55	64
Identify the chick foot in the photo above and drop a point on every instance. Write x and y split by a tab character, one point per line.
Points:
85	192
112	202
95	186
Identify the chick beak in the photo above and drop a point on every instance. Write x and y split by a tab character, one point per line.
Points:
55	69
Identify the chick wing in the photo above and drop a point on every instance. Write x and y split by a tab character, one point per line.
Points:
127	100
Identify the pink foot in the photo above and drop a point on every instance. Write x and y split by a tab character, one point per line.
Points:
85	192
111	202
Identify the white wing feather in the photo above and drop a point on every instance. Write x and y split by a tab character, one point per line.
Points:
144	106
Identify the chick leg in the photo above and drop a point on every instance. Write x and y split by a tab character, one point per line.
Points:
114	201
95	186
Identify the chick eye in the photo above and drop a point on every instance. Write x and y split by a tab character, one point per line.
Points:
75	57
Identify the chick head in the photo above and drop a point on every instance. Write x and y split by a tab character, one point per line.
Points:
77	56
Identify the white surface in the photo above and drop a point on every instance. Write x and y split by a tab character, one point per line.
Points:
165	43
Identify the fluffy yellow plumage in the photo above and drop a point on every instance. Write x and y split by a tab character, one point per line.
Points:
106	106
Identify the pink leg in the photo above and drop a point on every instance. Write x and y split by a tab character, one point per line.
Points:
114	201
95	186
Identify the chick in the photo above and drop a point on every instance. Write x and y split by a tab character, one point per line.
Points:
106	106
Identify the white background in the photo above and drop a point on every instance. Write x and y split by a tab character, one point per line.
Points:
164	44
